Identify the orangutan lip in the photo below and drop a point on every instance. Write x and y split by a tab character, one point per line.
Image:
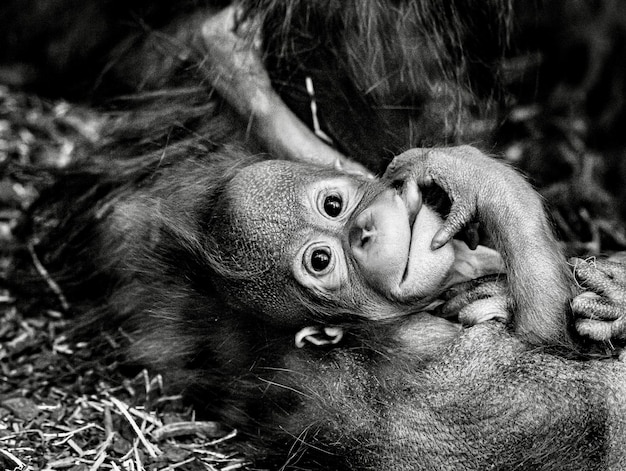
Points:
412	199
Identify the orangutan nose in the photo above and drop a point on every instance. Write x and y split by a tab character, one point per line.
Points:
363	232
380	238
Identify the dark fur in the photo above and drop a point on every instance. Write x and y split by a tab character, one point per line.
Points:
436	74
430	84
420	87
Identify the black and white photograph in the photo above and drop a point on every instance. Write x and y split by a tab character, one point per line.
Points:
348	235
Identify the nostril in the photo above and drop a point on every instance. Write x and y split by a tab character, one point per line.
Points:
366	236
360	237
363	230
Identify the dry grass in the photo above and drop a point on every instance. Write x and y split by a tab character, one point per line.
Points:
64	407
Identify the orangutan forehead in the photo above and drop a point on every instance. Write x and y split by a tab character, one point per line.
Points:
266	183
268	195
281	174
262	213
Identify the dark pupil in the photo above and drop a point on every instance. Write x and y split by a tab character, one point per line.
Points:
320	259
332	205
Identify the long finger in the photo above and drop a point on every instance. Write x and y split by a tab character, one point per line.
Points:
602	277
460	215
602	330
615	270
591	306
588	268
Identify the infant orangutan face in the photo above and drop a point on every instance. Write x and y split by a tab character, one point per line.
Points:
337	236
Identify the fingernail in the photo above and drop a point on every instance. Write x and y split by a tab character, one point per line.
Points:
439	240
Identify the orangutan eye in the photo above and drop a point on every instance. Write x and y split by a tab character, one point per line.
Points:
321	265
320	259
333	204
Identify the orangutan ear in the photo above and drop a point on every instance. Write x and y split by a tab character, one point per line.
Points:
318	336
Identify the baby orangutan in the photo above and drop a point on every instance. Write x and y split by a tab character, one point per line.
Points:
215	262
